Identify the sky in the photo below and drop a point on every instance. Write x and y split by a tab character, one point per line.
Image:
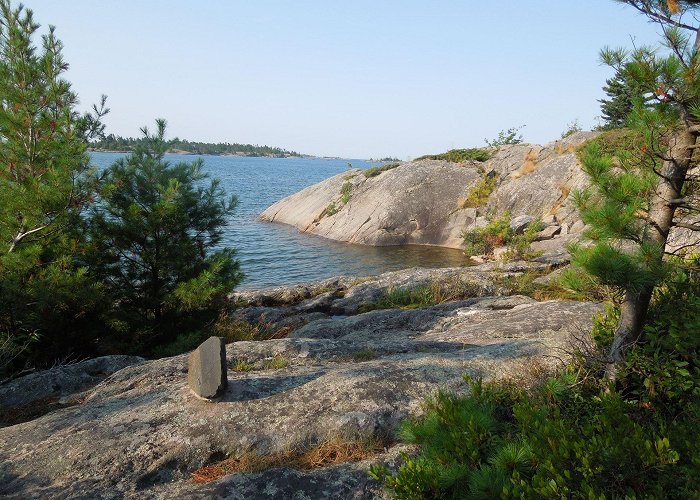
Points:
355	79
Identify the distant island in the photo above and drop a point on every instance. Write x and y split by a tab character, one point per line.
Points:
115	143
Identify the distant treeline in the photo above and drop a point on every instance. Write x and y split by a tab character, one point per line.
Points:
113	142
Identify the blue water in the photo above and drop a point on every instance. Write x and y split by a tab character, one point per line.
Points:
276	254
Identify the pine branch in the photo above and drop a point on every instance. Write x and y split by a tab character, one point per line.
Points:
647	9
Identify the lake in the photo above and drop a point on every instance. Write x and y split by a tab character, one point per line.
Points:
276	254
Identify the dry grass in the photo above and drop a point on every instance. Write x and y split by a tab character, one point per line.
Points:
529	165
331	452
565	191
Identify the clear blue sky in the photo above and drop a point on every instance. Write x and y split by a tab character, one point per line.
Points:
353	78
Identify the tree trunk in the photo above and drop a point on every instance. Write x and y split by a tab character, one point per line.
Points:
636	302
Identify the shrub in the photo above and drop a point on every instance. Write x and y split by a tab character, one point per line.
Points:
330	210
572	435
510	136
483	240
375	171
497	233
155	237
571	129
519	244
345	192
460	155
479	193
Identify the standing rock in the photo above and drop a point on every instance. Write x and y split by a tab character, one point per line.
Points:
206	371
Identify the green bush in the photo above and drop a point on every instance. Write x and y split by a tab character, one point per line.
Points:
460	155
505	137
497	233
483	240
479	193
375	171
345	192
519	244
330	210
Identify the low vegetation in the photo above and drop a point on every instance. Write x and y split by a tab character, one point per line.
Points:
364	355
230	328
479	193
345	192
505	137
330	210
375	171
460	155
498	233
241	365
277	362
430	294
571	129
572	435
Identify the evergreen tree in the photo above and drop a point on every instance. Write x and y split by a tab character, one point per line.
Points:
621	92
642	181
43	163
155	232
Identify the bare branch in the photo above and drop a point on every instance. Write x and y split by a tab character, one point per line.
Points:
23	235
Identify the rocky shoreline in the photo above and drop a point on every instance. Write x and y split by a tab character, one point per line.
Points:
343	371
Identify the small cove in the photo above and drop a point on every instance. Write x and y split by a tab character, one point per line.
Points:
276	254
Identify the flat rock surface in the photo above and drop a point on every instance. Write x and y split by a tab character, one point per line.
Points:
62	381
142	433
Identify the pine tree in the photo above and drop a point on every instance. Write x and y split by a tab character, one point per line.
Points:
621	92
643	182
155	231
43	188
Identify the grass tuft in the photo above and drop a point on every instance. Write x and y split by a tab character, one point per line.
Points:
364	355
236	329
276	363
241	365
430	294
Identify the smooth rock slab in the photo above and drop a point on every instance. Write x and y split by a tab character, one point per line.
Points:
206	369
141	434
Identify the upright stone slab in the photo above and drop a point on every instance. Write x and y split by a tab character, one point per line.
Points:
206	372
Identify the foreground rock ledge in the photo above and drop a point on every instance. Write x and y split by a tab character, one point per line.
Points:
140	432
